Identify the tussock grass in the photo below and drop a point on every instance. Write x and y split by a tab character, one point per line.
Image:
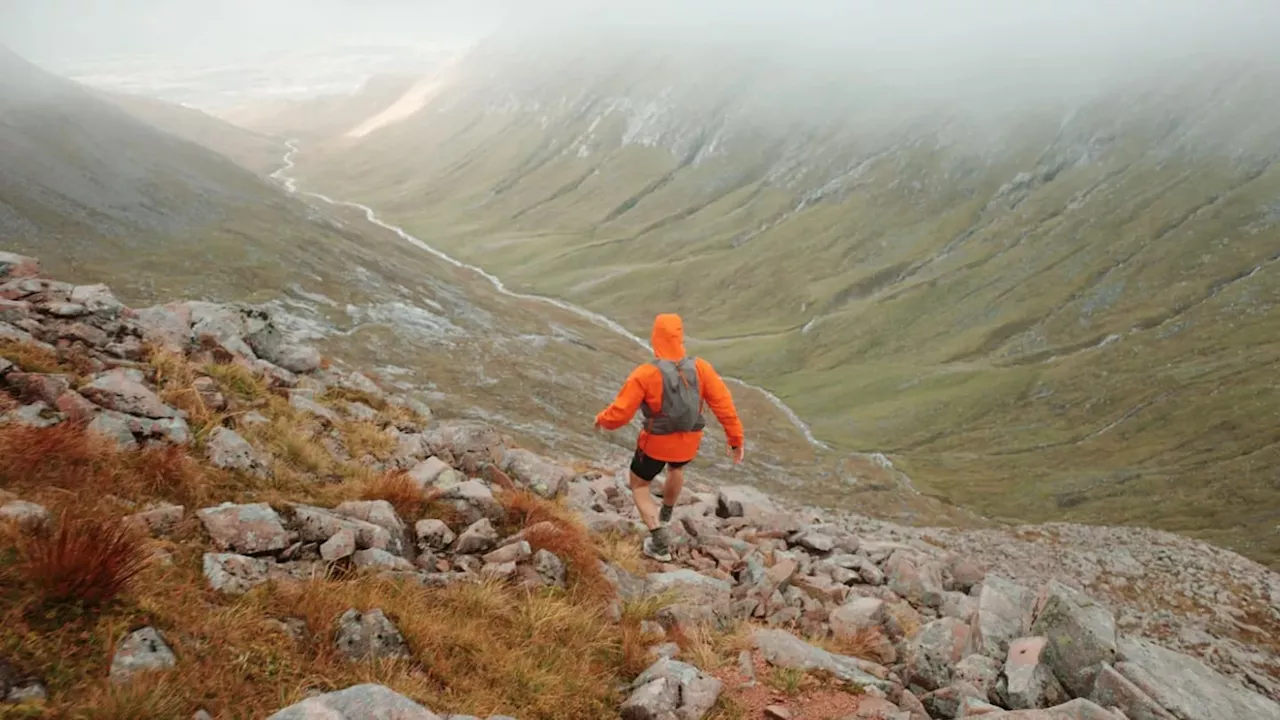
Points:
82	559
340	394
367	438
862	644
238	381
396	488
553	527
31	358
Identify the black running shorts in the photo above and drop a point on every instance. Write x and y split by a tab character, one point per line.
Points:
648	468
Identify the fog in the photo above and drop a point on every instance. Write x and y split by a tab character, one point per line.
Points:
920	46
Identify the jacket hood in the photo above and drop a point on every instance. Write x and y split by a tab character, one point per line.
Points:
668	337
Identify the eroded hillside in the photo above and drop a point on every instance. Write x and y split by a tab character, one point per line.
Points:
1064	308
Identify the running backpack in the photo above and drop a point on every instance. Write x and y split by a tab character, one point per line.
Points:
681	399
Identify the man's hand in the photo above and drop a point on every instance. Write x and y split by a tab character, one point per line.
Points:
599	427
737	453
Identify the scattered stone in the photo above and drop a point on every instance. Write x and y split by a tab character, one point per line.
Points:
253	417
1187	687
358	702
815	542
360	412
1081	636
30	692
76	407
227	450
369	636
26	515
159	519
235	574
300	402
478	538
979	671
672	689
375	559
550	568
245	529
1003	615
380	513
38	386
468	445
1111	689
782	649
512	553
123	391
317	525
1030	683
433	534
425	473
777	712
341	545
13	266
270	344
536	472
473	500
141	651
743	501
947	702
919	581
501	572
97	299
933	654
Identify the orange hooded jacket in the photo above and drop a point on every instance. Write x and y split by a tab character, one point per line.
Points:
645	385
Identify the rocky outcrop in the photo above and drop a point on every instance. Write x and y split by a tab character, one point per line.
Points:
358	702
142	650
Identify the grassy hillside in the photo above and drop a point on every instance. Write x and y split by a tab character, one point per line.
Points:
1066	309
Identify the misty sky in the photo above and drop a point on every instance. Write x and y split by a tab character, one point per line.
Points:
911	35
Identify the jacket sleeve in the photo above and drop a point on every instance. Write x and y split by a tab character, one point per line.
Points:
720	401
625	405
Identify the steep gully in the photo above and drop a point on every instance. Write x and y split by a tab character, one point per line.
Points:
291	185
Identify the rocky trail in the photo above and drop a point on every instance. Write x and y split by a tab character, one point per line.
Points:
341	548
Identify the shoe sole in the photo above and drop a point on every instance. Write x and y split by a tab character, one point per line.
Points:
650	553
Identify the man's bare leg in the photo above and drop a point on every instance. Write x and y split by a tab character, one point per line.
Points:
671	492
644	501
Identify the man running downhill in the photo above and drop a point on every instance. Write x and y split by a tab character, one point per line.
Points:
670	391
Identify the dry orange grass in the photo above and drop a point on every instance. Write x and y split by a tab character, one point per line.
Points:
31	358
552	527
84	559
865	644
396	488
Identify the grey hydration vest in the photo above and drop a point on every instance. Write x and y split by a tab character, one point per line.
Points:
681	399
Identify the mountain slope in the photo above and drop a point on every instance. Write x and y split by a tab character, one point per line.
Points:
1044	307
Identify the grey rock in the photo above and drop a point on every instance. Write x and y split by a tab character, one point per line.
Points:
782	649
932	655
360	412
1003	615
979	671
26	515
743	501
159	519
165	325
1030	682
539	474
375	559
318	525
433	534
341	545
13	265
465	444
1186	687
550	568
97	299
369	636
227	450
656	700
670	688
33	415
270	344
474	500
498	571
300	402
479	537
380	513
689	585
959	606
948	702
815	541
124	392
141	651
114	427
511	553
1081	636
425	473
916	579
245	529
235	574
358	702
1111	689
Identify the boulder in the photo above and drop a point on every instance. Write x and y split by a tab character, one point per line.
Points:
369	636
425	473
98	300
165	325
1186	687
1081	636
539	474
1029	682
914	578
380	513
299	401
550	568
375	559
784	650
245	529
948	702
932	655
14	266
76	407
1111	689
478	538
235	574
961	573
468	445
221	326
358	702
511	553
31	387
270	344
141	651
26	515
341	545
743	501
980	672
317	525
814	541
671	689
473	500
124	392
114	427
159	519
433	534
1003	615
226	449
